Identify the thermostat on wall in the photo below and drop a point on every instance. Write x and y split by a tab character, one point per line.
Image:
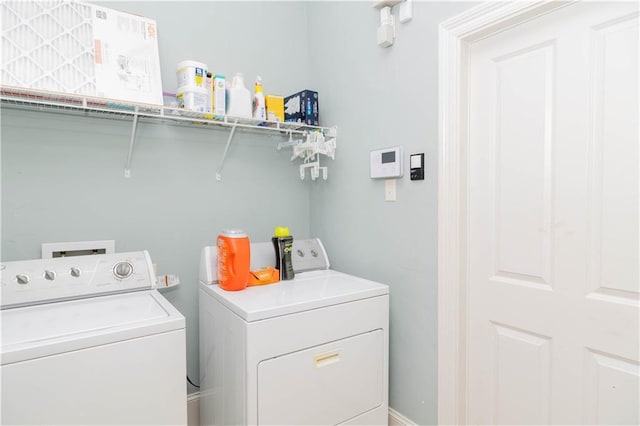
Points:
386	163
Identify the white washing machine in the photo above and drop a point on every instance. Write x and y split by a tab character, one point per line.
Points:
87	340
309	351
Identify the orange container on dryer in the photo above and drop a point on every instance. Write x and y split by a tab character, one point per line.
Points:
234	259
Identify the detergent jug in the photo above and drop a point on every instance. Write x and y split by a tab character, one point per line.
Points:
234	259
238	98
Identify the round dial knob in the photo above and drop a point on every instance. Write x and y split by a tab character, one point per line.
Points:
22	278
50	275
122	270
75	271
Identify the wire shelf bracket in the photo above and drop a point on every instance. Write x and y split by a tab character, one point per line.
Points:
226	150
127	167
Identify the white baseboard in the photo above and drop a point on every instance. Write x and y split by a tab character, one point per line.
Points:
193	413
397	419
193	409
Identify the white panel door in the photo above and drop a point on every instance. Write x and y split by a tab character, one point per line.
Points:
553	265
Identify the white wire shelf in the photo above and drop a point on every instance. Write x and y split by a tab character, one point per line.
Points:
32	99
19	97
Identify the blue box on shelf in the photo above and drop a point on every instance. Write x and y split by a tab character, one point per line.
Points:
302	107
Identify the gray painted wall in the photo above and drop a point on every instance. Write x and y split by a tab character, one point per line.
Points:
380	98
62	177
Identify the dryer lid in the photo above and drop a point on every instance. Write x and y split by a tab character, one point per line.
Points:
309	290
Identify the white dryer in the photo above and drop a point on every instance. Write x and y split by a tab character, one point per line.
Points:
87	340
310	351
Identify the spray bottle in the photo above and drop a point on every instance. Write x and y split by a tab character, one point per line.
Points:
209	87
259	110
283	244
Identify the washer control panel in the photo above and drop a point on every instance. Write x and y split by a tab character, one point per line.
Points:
36	281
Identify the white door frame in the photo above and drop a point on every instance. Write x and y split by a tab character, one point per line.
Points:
455	36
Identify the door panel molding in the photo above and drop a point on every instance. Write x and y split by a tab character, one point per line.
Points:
455	35
610	183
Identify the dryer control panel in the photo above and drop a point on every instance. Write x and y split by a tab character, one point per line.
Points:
309	255
30	282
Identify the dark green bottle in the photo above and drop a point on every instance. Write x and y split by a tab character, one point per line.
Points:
283	245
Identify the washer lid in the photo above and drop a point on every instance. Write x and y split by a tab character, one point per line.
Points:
309	290
41	330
